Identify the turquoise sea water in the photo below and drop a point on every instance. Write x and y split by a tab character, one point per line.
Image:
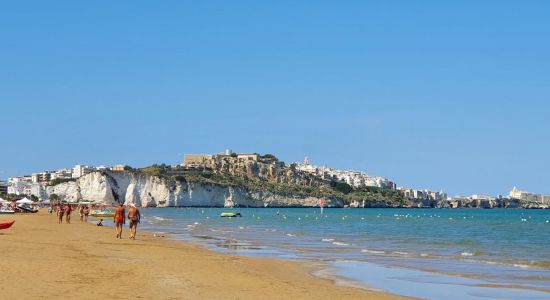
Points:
474	253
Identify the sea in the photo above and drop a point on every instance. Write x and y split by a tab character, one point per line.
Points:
423	253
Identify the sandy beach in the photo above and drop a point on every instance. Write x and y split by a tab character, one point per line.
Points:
41	259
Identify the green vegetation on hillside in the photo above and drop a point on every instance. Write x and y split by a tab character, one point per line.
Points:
333	189
61	180
267	158
309	186
156	170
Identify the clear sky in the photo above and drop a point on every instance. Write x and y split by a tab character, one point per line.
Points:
432	94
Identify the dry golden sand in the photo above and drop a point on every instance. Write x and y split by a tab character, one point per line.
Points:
40	259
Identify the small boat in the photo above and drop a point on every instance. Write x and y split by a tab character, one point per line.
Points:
102	214
6	225
26	208
4	211
230	215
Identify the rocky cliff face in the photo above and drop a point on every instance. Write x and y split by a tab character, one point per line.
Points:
144	190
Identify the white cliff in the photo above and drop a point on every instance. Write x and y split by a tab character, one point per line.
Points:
151	191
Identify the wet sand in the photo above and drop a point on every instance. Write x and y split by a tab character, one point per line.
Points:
41	259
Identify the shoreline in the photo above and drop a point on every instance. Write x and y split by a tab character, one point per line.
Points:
47	260
333	267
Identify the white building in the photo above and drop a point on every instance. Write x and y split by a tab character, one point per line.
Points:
527	196
62	174
41	177
80	170
481	197
422	194
3	187
19	188
20	179
39	191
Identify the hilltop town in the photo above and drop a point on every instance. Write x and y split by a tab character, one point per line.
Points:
266	173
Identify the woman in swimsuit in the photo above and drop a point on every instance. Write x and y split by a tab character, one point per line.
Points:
81	213
119	220
86	213
68	210
60	213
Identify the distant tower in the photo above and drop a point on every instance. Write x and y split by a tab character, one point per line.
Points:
306	160
228	151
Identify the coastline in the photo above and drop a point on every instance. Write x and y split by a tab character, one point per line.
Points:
47	260
337	245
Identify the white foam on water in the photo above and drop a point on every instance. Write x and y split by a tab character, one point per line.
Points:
521	266
467	254
328	240
372	251
340	244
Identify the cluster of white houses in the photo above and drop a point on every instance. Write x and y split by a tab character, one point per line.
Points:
363	179
35	184
353	178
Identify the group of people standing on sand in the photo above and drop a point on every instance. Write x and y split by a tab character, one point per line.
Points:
62	210
84	211
65	210
119	218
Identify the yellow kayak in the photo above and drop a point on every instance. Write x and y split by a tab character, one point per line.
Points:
229	214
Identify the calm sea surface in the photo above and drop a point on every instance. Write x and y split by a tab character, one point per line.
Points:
481	253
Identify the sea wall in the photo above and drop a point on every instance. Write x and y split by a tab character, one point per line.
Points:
110	188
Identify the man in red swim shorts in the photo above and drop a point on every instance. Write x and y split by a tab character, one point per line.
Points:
119	219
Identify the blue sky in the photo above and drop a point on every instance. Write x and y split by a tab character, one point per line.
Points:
431	94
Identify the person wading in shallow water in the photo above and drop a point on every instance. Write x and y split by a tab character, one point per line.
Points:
134	217
119	219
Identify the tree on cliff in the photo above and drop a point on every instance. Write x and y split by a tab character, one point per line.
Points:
60	181
341	187
267	158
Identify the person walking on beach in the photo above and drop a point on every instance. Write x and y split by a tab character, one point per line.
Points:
81	212
86	212
134	217
60	212
68	210
119	219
